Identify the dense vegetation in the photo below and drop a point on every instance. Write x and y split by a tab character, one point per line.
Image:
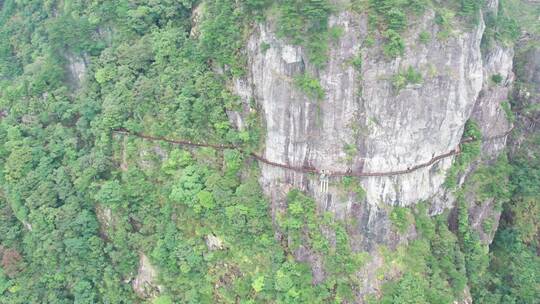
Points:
80	204
433	265
61	164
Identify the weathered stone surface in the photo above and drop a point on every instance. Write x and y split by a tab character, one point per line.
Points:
488	112
213	242
76	68
144	283
391	130
479	214
494	124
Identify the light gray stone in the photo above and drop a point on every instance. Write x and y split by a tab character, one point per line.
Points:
391	130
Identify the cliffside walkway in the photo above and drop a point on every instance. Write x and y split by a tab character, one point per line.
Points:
260	158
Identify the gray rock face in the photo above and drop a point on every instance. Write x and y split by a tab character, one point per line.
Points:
494	124
479	215
390	130
213	242
76	70
488	111
144	283
387	129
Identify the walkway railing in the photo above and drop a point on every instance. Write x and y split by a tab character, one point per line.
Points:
304	169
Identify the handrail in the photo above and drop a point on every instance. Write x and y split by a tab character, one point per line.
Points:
260	158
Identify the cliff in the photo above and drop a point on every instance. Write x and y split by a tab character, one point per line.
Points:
364	123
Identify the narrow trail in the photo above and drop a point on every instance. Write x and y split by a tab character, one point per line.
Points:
304	169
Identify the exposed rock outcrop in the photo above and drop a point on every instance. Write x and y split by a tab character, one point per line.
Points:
76	70
213	242
387	129
144	283
390	130
494	122
488	111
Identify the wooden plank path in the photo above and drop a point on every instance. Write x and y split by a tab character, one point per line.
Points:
260	158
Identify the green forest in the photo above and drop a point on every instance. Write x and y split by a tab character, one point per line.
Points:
80	203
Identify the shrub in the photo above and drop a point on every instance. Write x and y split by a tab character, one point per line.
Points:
507	29
335	33
487	225
423	222
162	300
469	151
352	184
351	151
317	49
396	19
510	116
391	17
401	218
444	18
395	46
497	78
310	86
413	76
370	41
305	23
492	181
403	78
424	37
357	62
304	226
399	81
418	6
470	8
265	47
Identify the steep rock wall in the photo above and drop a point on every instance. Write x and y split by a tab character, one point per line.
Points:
495	124
390	129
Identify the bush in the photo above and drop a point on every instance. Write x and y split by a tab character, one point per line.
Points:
492	181
305	227
352	184
310	86
510	116
370	41
396	19
424	37
335	33
507	29
401	218
305	22
470	8
398	81
469	151
317	48
497	78
351	151
265	47
403	78
433	266
395	46
413	76
391	16
418	6
357	62
443	18
487	225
